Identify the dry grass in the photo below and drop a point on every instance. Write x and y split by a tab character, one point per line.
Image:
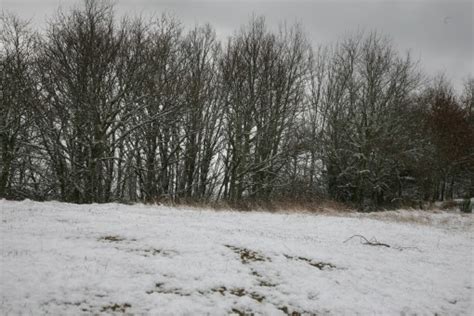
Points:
284	205
433	217
433	214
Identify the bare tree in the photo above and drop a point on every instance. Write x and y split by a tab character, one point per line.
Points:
451	136
159	140
19	176
88	65
202	113
263	82
369	88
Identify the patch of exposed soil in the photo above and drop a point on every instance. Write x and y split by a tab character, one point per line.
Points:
150	252
239	292
262	281
247	255
121	308
317	264
160	288
111	238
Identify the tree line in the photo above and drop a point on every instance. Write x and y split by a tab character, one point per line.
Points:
100	109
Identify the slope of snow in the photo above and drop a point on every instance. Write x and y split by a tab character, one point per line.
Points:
67	259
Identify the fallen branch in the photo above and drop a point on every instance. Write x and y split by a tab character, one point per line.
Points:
374	242
365	241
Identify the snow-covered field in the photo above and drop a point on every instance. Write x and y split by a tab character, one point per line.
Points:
67	259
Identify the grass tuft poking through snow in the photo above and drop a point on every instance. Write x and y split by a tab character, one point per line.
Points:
67	259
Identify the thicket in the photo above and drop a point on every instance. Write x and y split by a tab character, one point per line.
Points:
98	109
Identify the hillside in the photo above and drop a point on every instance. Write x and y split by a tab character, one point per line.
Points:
66	259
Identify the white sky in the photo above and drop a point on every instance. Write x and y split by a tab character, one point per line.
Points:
439	33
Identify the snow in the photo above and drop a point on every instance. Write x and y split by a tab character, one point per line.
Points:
67	259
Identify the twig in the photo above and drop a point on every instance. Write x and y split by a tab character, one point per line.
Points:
365	241
374	242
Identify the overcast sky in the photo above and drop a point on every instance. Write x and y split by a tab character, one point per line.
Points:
438	33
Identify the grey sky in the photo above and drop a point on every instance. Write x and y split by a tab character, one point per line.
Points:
439	33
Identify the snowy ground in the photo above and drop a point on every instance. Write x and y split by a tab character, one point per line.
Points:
65	259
